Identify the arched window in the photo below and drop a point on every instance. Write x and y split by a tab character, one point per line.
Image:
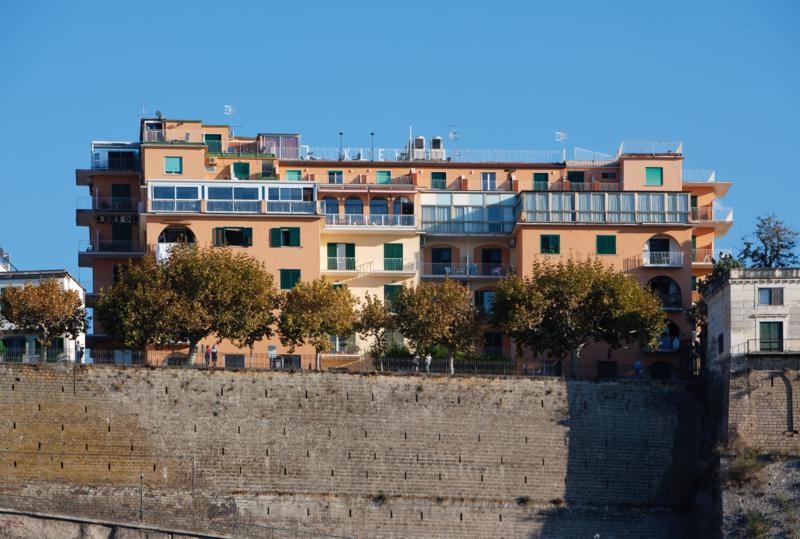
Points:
176	234
353	206
378	206
330	206
403	206
668	290
670	338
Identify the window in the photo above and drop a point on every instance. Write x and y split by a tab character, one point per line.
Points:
330	206
335	176
770	336
293	175
173	165
284	237
267	169
608	176
575	176
214	143
493	343
383	176
392	256
241	171
550	244
540	180
438	180
483	301
488	181
770	296
342	256
289	278
233	236
654	176
390	293
606	245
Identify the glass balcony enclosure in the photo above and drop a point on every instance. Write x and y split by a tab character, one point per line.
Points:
115	155
621	207
468	213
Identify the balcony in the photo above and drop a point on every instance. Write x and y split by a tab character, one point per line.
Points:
769	347
340	263
385	266
566	185
466	270
708	256
291	207
469	227
662	259
233	206
366	222
671	302
175	206
108	248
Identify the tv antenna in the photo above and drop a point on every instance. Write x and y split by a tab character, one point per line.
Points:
452	135
229	111
561	136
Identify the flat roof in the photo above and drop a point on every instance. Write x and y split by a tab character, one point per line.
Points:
37	274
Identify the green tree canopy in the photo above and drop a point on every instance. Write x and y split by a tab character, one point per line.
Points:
45	308
312	312
375	319
436	313
561	307
772	245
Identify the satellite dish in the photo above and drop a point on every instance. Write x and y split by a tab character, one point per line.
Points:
158	114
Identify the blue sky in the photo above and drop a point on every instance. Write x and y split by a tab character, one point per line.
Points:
721	76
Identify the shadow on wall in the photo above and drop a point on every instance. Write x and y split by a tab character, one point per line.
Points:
632	464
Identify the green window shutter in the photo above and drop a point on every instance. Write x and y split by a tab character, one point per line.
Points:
247	237
219	237
384	176
293	175
694	241
694	201
390	293
294	236
333	251
289	278
438	180
540	180
350	250
654	176
275	237
550	244
606	245
392	256
694	282
241	171
173	165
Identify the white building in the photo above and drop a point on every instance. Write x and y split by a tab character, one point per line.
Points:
20	346
755	312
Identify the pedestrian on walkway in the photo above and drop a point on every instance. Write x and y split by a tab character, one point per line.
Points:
637	369
214	352
415	362
428	360
208	356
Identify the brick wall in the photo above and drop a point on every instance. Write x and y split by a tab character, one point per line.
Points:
267	453
764	410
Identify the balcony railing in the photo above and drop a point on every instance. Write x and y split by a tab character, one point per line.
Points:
367	221
128	161
233	206
609	216
662	258
176	206
341	263
291	206
708	256
395	265
470	227
114	204
465	269
768	346
153	135
113	246
671	301
566	185
712	214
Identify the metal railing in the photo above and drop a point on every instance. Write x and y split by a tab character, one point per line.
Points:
465	269
341	263
671	301
365	221
699	175
395	265
608	216
467	227
18	355
566	185
715	214
650	147
114	204
708	256
175	206
458	155
113	246
233	206
662	258
116	162
768	346
153	135
291	206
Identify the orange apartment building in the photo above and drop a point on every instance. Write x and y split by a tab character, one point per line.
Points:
375	219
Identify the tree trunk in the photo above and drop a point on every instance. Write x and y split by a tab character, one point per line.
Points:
450	363
573	362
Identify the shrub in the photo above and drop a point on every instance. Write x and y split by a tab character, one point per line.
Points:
746	468
756	525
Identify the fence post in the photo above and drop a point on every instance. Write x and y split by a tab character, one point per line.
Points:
141	496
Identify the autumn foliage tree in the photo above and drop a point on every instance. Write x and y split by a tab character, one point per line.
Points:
561	307
46	309
312	312
375	319
437	313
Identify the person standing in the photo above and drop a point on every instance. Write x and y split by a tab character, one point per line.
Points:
637	369
214	353
416	362
208	356
428	360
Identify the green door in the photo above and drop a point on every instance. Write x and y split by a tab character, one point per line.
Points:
241	171
771	336
332	253
350	256
392	256
214	143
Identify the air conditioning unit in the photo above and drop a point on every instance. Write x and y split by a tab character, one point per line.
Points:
125	219
211	160
437	149
418	151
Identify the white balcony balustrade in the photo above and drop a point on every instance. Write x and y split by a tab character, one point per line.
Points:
669	259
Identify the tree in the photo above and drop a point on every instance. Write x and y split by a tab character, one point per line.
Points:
561	307
375	319
312	312
137	310
773	246
46	309
433	314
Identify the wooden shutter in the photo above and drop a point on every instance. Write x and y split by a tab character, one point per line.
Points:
247	237
333	252
219	236
294	236
350	250
275	237
390	293
777	296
